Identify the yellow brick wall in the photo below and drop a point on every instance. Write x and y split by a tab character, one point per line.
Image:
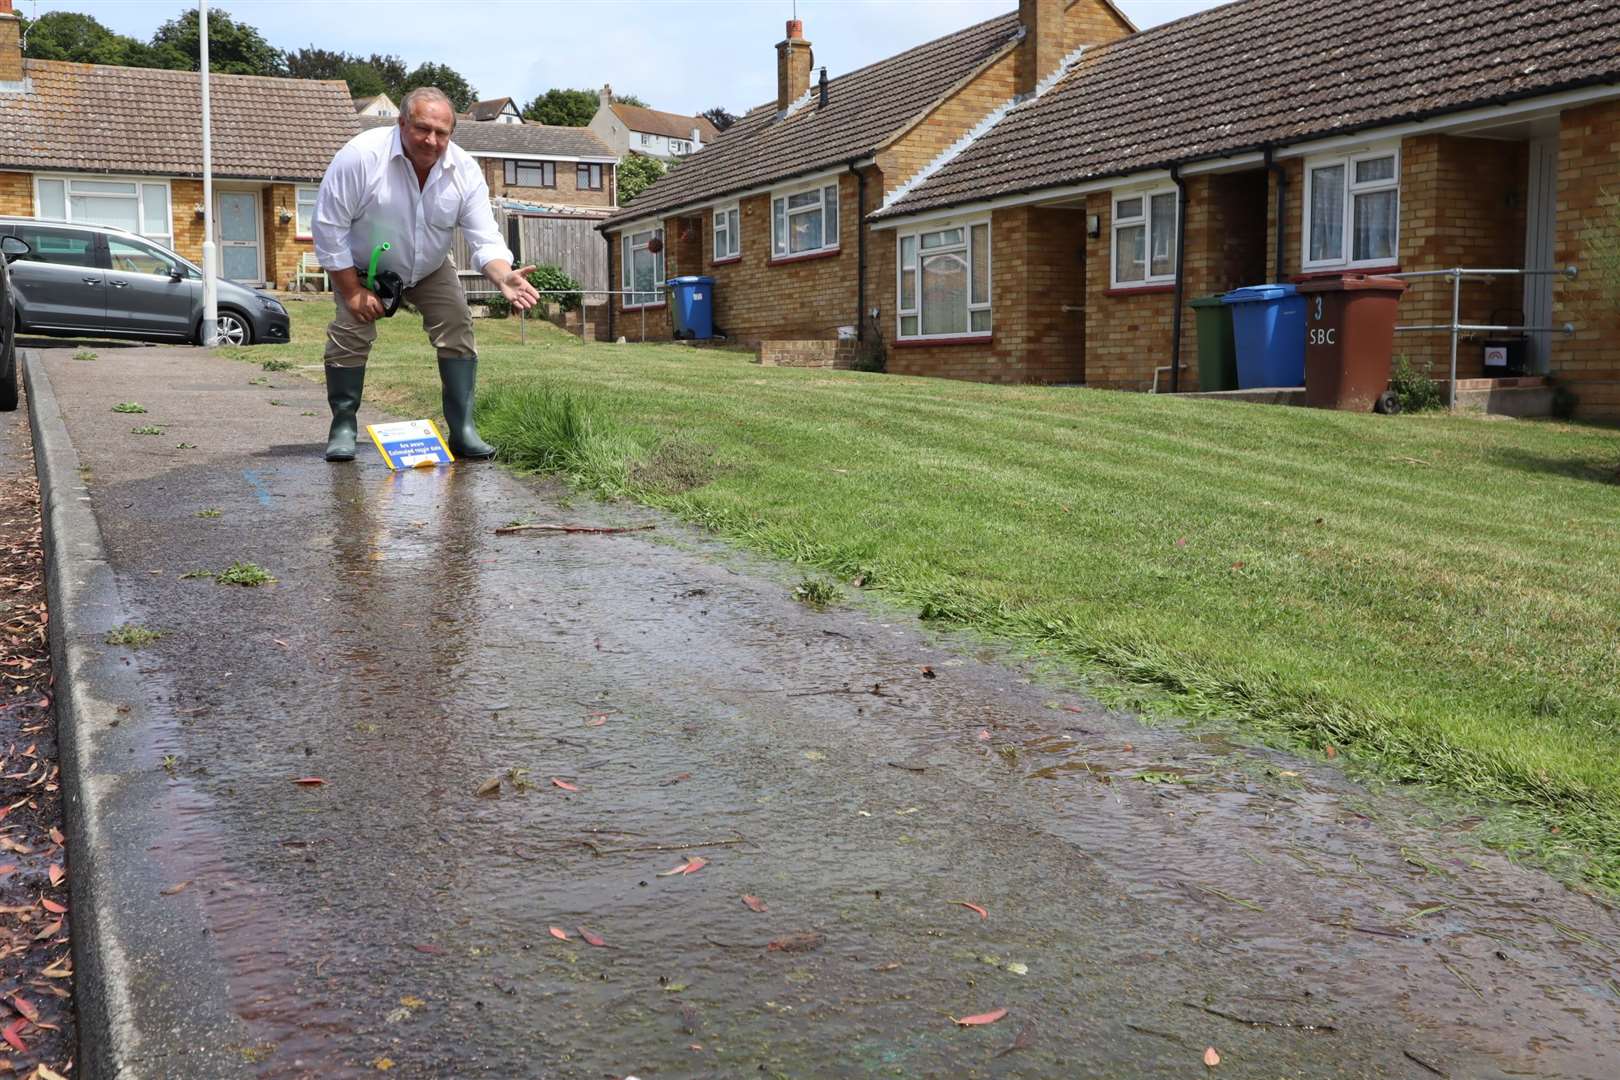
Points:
184	197
1588	197
566	193
17	194
1091	22
948	121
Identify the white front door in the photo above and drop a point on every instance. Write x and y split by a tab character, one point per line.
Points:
238	216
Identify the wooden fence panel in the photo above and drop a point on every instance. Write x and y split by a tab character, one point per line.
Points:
571	243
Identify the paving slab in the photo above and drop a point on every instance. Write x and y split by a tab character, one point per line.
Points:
640	701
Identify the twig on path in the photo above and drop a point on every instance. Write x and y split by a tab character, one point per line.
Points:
1238	900
1154	1031
1432	1068
1461	977
663	847
1253	1022
507	530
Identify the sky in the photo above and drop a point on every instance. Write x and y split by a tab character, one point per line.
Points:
680	55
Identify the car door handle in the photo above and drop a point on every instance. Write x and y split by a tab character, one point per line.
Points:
115	283
92	281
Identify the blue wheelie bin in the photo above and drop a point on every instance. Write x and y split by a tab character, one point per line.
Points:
1268	327
693	306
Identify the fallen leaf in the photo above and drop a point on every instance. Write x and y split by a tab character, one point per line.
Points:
796	943
383	1064
52	906
489	787
56	835
982	1018
25	1008
1329	750
559	933
1073	709
694	865
592	938
892	965
565	785
172	889
754	903
677	778
11	1036
928	672
309	781
431	950
55	873
50	930
411	1001
596	721
1018	969
984	734
42	1072
1211	1058
983	914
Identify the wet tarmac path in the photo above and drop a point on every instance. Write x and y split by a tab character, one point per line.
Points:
650	697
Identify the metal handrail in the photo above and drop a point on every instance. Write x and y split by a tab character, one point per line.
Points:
523	326
1457	327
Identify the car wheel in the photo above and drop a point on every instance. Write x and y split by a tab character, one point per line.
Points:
234	329
8	368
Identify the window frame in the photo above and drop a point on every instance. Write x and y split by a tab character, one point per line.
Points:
587	167
142	184
299	192
510	172
784	252
627	249
1149	279
723	215
1349	160
915	234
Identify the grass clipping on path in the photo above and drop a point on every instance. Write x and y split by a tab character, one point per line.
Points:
1430	595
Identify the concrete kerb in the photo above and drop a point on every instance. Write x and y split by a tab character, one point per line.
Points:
114	899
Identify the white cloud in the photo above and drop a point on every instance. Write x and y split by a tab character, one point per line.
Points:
681	55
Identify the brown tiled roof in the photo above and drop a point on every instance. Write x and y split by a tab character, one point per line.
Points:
488	110
96	118
671	125
864	108
1274	71
546	140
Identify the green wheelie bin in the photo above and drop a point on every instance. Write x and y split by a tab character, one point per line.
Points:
1217	352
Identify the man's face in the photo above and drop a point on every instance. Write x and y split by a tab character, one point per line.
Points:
425	133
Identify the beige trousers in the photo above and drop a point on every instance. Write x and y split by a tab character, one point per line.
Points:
443	304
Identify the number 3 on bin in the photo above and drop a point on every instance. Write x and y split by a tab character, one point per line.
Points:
1318	309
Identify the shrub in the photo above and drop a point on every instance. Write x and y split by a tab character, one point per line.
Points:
1418	392
497	307
553	278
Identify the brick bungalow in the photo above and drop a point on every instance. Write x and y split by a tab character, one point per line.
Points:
774	210
123	146
1036	240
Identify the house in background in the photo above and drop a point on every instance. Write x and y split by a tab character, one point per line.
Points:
495	111
1037	198
123	146
376	105
664	135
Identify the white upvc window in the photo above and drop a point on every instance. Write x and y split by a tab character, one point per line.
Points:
642	268
943	281
1144	225
1352	210
805	222
140	206
680	146
305	219
531	173
727	232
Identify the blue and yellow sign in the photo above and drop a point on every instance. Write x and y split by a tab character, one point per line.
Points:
410	444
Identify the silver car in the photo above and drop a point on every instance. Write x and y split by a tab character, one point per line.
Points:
10	248
101	281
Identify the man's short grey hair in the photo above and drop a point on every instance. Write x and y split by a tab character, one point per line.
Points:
423	95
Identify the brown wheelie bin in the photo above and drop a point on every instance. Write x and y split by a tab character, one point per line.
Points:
1349	339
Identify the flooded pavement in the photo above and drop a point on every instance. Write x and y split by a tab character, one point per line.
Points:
634	703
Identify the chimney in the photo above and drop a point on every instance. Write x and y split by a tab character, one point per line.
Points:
11	67
697	138
823	88
604	96
793	60
1041	51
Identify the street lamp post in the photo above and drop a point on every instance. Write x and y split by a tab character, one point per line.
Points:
210	319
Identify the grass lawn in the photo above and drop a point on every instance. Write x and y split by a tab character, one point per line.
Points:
1433	596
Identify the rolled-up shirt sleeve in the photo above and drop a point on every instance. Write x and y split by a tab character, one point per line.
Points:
342	189
478	225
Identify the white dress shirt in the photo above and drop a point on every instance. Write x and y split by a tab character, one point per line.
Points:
369	195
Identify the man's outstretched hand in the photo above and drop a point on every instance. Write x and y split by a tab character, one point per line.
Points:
517	290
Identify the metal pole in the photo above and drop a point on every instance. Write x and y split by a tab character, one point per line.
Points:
210	319
1456	317
644	324
523	326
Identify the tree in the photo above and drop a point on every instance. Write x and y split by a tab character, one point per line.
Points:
563	108
234	48
313	63
719	117
637	173
631	99
457	89
67	35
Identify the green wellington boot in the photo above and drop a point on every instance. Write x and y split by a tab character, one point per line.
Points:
458	377
343	386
